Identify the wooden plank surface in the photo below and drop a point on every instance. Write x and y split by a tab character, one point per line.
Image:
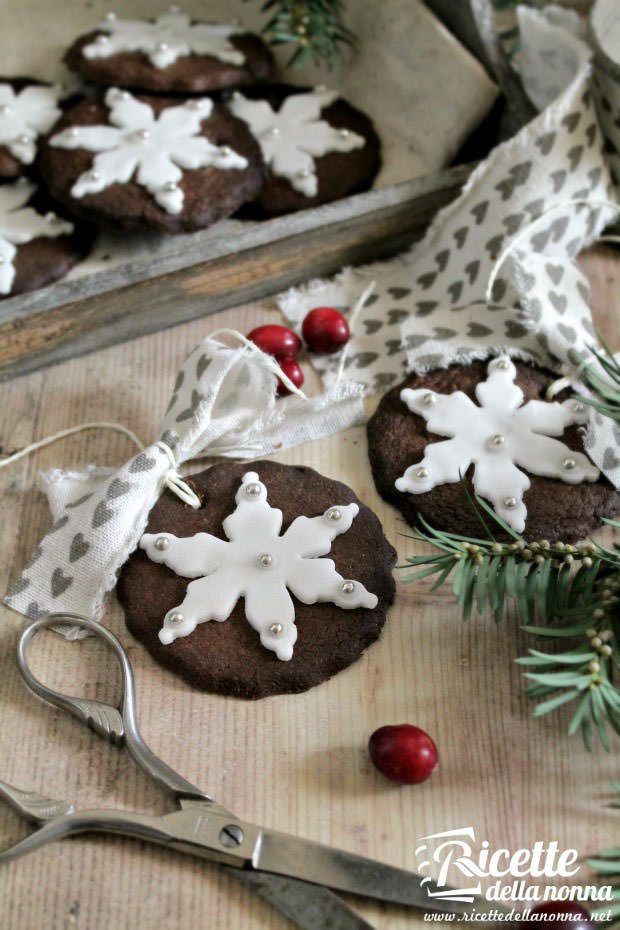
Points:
296	763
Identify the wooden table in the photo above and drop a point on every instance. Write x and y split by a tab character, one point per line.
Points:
297	763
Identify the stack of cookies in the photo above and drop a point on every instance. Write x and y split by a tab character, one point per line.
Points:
185	125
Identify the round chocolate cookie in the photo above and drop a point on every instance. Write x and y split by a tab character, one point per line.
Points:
317	147
229	657
171	54
37	246
397	439
28	108
151	162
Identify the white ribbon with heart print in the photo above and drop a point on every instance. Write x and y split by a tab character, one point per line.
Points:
223	404
429	308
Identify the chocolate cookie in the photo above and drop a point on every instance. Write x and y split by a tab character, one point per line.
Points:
28	109
170	54
251	657
317	147
37	246
151	162
400	438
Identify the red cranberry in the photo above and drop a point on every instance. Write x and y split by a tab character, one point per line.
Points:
403	753
325	330
292	370
566	915
279	341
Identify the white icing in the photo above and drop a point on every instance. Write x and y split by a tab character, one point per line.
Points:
20	224
168	38
293	136
24	115
227	570
496	437
150	149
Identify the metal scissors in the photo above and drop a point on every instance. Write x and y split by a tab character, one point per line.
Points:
293	874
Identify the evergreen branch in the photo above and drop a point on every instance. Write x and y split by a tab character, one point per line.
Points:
573	590
604	382
607	867
314	28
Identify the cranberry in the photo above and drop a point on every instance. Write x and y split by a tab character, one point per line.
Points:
279	341
566	915
292	370
325	330
403	753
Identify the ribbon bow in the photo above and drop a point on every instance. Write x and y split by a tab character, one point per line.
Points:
223	404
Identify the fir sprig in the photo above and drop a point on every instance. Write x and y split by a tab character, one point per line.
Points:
573	590
314	28
605	382
607	867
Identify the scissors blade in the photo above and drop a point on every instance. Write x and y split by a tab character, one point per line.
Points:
282	854
308	906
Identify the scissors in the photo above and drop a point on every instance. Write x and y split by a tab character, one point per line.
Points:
297	876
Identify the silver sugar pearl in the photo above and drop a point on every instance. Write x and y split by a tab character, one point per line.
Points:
344	133
24	139
161	543
429	399
498	440
143	135
578	407
333	514
569	464
226	150
175	618
347	587
103	39
510	502
110	17
304	173
94	175
170	186
265	560
5	109
162	46
422	473
276	629
121	95
274	131
502	364
252	489
2	259
72	131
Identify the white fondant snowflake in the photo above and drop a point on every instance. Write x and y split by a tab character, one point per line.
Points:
154	148
293	136
496	437
24	115
168	38
20	224
258	564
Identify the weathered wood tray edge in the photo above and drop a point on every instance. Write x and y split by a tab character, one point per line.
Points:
199	278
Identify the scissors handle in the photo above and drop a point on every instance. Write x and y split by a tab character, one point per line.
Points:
117	724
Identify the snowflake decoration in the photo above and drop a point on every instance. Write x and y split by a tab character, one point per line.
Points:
293	136
497	436
154	148
20	224
24	115
258	564
168	38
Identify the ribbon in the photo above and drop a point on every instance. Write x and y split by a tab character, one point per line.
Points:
223	404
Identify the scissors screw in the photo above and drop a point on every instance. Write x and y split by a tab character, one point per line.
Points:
231	836
162	543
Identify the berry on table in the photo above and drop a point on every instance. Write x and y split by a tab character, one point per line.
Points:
276	340
325	330
403	753
292	370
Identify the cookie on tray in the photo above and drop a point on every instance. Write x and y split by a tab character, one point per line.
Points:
148	162
207	592
491	423
171	54
317	147
37	246
28	109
